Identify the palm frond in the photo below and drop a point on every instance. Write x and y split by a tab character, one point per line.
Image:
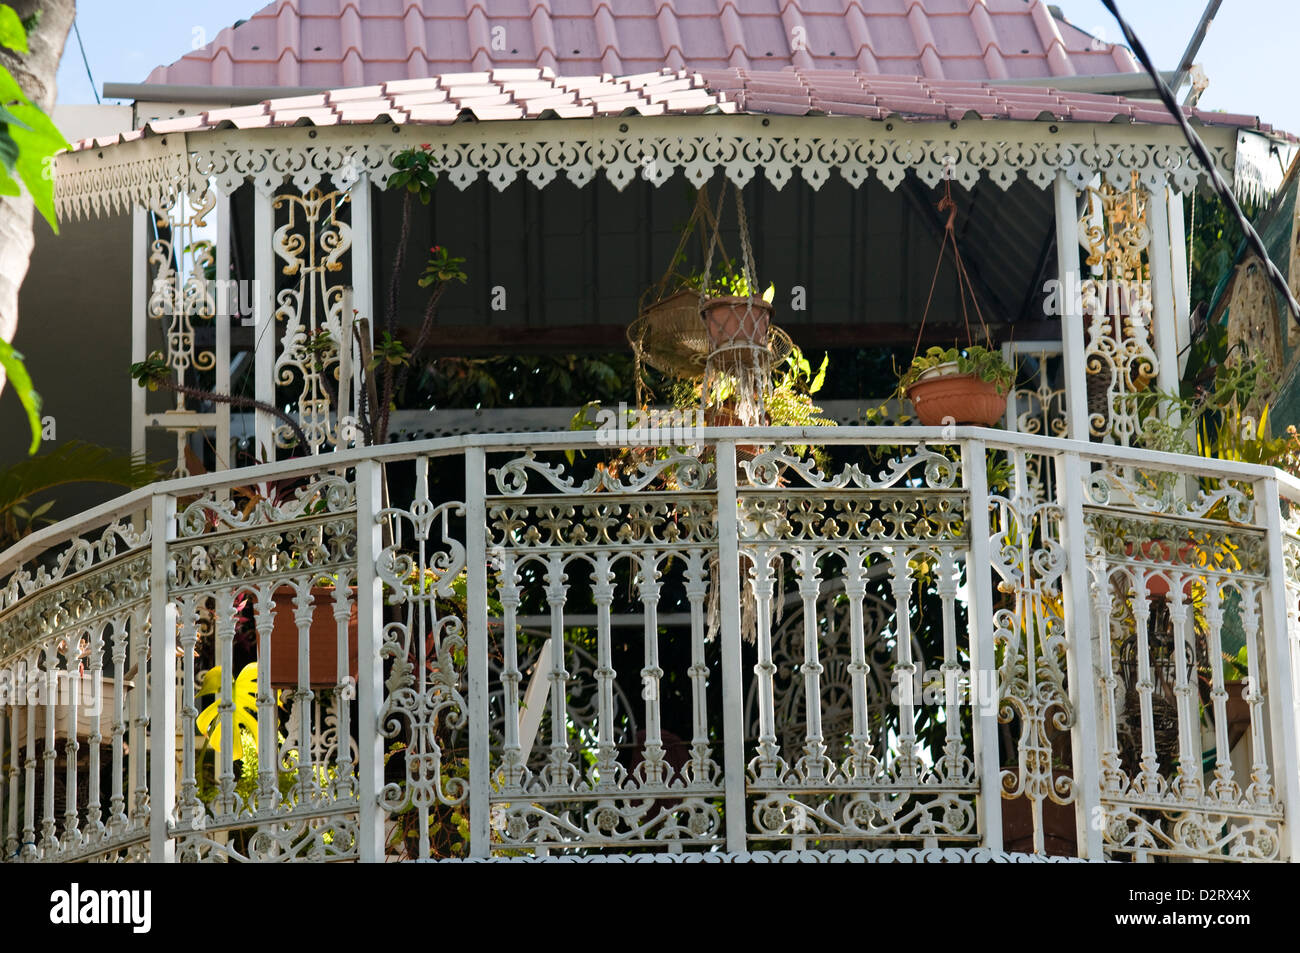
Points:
74	462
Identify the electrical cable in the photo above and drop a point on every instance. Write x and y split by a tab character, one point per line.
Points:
93	88
1203	156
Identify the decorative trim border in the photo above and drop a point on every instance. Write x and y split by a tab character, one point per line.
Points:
153	170
897	855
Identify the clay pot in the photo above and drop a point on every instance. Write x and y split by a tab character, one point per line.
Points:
725	416
1237	712
943	396
324	639
736	320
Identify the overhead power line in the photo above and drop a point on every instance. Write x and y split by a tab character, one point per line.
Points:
1203	156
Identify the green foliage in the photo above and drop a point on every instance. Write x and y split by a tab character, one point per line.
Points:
984	363
728	283
244	717
441	267
21	382
390	351
12	33
152	372
1214	237
416	172
28	140
74	462
790	404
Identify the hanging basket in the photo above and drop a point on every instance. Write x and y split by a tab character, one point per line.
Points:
943	396
736	321
670	335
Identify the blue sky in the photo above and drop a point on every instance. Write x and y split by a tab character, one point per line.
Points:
1249	47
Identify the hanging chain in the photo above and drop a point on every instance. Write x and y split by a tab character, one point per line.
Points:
964	285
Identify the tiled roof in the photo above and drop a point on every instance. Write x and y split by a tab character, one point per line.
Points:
334	43
539	94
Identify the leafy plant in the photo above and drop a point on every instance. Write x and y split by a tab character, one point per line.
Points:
984	363
416	172
155	373
73	462
243	695
28	139
28	142
728	283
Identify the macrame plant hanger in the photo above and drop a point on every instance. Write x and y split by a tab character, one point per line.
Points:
964	287
670	334
738	371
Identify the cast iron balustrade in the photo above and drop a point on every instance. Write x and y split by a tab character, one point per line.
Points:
525	646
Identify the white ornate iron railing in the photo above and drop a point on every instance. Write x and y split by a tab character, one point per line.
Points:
526	646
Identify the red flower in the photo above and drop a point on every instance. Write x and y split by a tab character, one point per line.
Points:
426	146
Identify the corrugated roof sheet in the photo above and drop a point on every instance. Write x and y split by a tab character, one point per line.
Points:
539	94
337	43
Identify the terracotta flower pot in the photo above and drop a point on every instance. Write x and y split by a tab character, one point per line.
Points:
1060	836
736	320
1236	711
323	671
725	416
943	396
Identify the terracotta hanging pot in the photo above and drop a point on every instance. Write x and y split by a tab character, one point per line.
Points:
731	320
323	670
942	396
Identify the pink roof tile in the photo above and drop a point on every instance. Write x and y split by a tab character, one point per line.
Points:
343	43
440	100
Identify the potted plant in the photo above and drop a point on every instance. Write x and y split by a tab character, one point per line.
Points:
958	385
323	669
732	311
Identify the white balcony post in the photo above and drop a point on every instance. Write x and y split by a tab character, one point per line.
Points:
264	338
363	272
1077	603
370	667
162	685
1164	319
480	831
1178	267
733	726
1278	672
979	585
1070	301
226	302
139	319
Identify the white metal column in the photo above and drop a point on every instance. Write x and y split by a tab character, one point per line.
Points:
264	324
1077	604
162	686
1164	324
733	688
480	832
370	667
1178	265
139	319
225	307
1277	670
983	665
1071	306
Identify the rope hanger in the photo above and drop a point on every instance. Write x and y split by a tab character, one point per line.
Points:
964	285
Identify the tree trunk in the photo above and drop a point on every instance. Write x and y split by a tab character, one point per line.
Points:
35	74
